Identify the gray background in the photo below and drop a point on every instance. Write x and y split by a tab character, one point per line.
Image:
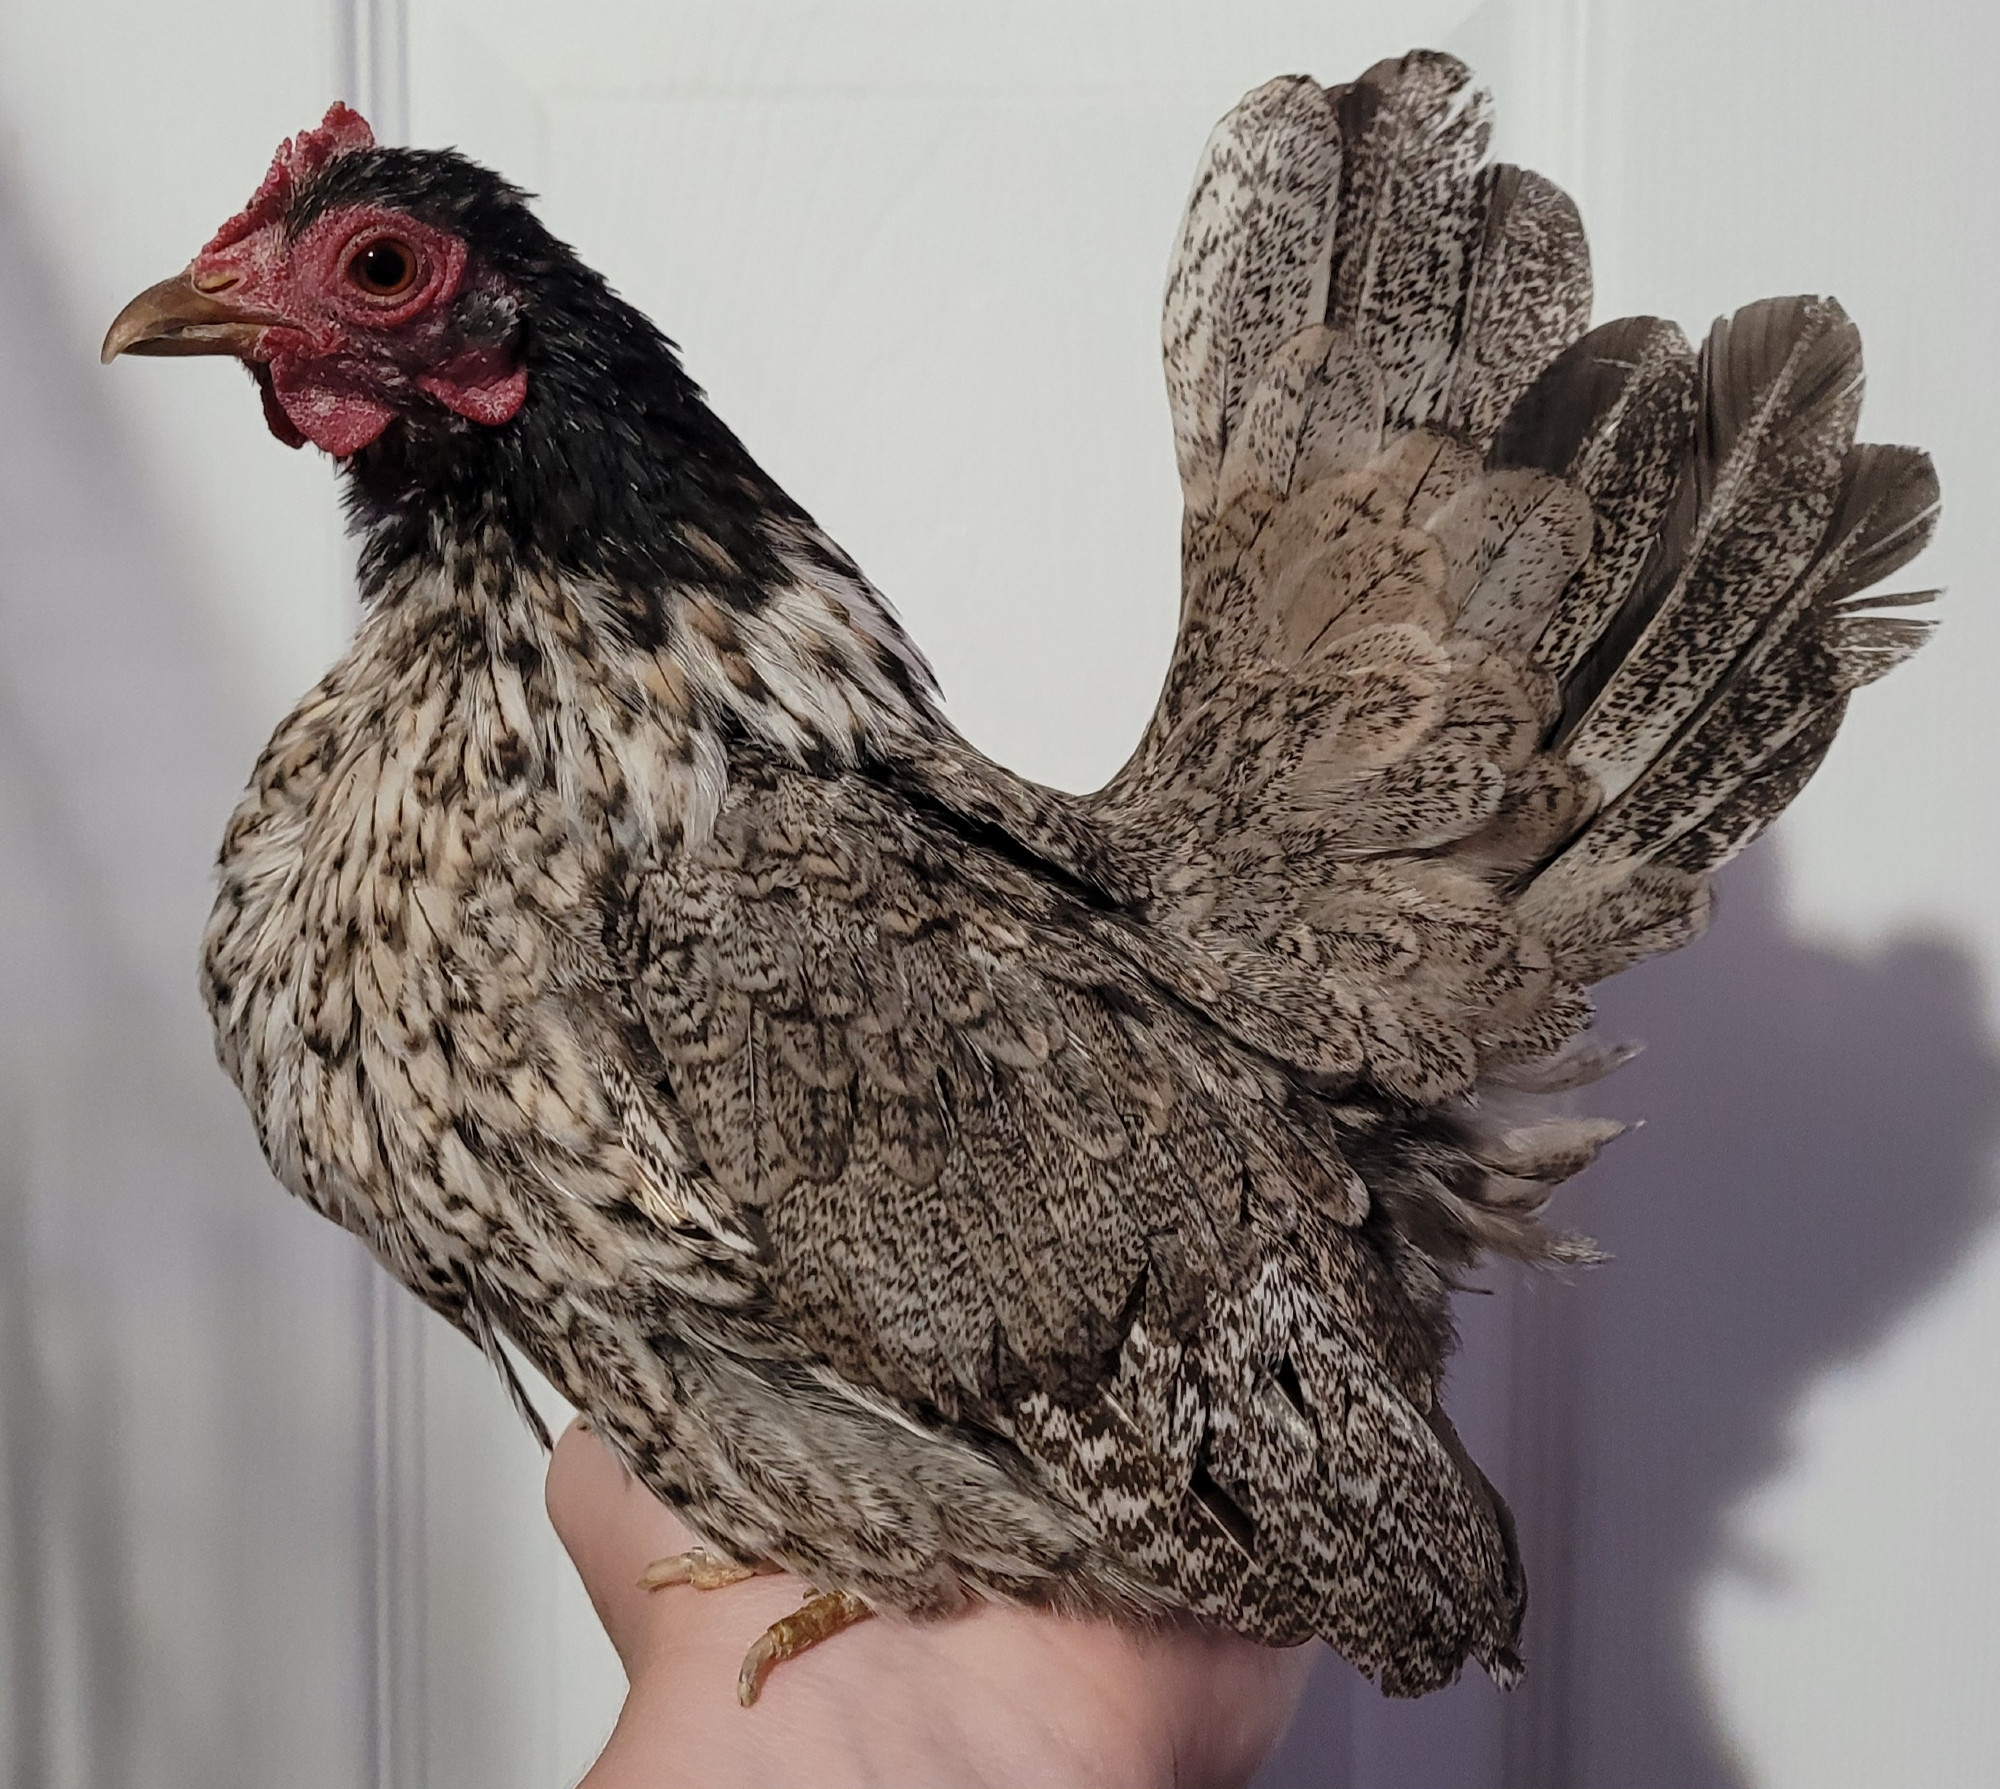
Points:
260	1526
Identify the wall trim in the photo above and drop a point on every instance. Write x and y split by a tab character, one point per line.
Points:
371	71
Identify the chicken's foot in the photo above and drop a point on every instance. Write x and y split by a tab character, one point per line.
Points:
819	1618
699	1567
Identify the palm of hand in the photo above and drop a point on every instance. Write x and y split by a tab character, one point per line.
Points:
1003	1696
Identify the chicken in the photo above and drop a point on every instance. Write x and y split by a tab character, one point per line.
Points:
942	1186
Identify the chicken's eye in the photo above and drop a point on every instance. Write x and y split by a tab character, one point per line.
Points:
384	268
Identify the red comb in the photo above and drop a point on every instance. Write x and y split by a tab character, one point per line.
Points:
342	131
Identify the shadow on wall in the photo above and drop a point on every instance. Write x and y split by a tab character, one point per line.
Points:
1818	1129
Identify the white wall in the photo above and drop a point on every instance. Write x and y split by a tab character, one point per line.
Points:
183	1407
915	252
1830	145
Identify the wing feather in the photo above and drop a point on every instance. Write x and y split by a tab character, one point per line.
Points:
1008	1177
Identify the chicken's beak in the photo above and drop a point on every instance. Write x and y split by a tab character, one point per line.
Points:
178	317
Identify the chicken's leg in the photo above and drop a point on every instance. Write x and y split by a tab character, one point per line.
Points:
819	1618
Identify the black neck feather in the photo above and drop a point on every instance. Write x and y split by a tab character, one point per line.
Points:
615	469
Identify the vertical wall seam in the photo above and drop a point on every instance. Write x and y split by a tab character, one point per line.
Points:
371	62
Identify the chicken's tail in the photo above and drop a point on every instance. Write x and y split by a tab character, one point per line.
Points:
1497	637
1703	652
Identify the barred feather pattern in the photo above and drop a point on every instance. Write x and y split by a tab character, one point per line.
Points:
949	1188
1497	637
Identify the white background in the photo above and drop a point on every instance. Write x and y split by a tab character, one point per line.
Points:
914	251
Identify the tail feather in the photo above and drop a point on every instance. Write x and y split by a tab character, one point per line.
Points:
1315	414
1867	646
1887	512
1567	621
1737	647
1365	208
1579	1063
1614	414
1512	543
1409	227
1781	393
1530	296
1460	280
1250	267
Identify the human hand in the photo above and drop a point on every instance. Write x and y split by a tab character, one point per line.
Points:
998	1698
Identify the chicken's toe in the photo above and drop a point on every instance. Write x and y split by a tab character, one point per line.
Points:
819	1618
699	1567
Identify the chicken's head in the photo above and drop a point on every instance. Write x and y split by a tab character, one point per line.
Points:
349	288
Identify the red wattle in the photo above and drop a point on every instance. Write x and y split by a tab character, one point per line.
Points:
337	419
275	418
478	389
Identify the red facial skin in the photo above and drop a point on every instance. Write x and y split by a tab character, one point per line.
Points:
339	362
